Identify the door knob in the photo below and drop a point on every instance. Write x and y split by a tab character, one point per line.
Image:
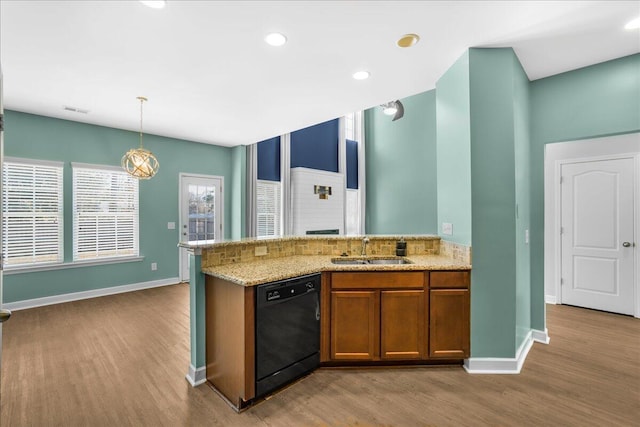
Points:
4	315
626	244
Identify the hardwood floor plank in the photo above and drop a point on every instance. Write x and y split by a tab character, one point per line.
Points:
121	360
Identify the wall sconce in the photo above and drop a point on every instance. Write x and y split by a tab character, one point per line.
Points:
322	191
393	108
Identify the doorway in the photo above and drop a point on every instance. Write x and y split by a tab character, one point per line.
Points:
591	223
201	219
597	234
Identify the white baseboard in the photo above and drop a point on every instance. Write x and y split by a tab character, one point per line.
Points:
500	365
541	336
550	299
197	376
75	296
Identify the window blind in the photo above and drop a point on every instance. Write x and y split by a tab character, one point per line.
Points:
105	213
268	208
32	220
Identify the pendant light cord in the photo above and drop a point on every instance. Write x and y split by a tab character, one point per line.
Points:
142	99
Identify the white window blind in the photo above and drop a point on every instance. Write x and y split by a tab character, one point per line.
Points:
268	208
32	221
105	213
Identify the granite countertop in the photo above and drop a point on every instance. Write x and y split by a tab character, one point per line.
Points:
271	270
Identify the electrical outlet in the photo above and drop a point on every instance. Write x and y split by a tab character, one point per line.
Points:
261	250
447	228
171	226
154	266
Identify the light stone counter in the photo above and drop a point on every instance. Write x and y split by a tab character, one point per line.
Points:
271	270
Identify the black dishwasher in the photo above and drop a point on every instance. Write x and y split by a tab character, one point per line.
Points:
287	331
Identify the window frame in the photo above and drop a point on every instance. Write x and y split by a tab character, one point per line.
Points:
277	204
58	215
119	253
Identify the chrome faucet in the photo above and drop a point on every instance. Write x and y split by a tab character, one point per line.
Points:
365	240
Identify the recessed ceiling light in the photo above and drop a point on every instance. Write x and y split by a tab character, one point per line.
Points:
633	25
408	40
154	4
361	75
275	39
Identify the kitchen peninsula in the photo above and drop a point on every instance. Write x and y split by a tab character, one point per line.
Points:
372	307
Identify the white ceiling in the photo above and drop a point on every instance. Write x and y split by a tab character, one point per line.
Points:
210	77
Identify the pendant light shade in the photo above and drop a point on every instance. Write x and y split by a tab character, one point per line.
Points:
139	162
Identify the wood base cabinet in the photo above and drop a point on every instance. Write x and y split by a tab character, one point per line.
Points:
387	321
395	316
449	326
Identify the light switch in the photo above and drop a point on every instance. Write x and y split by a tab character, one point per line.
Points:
526	236
447	228
171	226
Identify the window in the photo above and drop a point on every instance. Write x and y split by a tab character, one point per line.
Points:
32	222
105	213
268	208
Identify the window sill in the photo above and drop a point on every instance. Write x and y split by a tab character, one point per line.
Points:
63	266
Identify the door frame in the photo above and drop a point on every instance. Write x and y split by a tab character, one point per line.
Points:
181	177
559	154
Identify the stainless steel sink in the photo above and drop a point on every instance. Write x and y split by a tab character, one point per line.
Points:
371	261
389	261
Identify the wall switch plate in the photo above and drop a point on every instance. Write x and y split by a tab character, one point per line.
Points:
447	228
526	236
261	250
171	226
154	266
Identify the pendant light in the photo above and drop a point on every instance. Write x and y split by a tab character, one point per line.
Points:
139	162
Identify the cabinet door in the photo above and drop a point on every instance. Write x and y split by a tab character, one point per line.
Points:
449	324
355	319
402	325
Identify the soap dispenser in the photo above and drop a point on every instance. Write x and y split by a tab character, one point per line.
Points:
401	247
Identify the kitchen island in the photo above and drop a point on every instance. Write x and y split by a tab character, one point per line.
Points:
416	312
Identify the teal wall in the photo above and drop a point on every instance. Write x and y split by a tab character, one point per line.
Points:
600	100
454	151
496	252
522	152
401	169
39	137
237	188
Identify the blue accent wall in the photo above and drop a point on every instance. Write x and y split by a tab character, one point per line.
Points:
269	159
352	164
316	147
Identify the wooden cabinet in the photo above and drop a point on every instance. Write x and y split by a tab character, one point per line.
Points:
449	324
395	316
402	325
354	325
377	316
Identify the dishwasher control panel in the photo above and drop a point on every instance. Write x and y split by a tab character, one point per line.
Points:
288	289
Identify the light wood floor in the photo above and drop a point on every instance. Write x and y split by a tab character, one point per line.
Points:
121	360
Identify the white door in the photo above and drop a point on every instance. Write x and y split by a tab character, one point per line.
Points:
201	207
597	226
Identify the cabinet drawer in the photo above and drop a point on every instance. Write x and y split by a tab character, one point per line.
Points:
378	280
449	279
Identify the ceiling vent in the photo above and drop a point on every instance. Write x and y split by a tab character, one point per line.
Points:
75	109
